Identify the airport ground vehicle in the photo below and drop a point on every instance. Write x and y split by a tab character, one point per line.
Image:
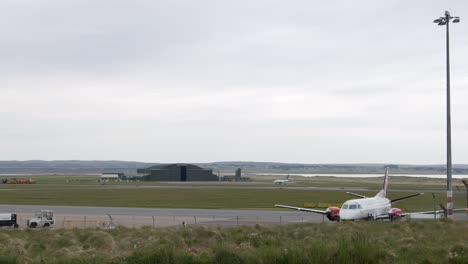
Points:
17	181
8	220
43	218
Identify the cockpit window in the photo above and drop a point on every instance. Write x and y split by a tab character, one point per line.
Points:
353	206
345	206
359	206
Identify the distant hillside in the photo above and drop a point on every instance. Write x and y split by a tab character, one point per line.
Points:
94	166
70	166
363	168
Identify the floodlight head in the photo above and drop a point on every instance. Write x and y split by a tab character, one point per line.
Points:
447	13
441	23
438	20
456	20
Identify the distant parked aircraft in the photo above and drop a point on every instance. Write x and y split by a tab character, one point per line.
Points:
367	208
282	181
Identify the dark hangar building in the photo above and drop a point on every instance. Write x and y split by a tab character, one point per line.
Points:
177	172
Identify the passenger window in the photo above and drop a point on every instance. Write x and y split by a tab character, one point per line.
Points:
345	206
352	206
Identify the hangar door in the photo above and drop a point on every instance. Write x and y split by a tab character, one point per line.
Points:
183	173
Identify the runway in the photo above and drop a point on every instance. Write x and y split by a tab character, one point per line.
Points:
83	216
164	216
310	188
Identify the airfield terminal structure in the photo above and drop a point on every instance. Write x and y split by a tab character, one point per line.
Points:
177	172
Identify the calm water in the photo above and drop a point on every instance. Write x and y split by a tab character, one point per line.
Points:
436	176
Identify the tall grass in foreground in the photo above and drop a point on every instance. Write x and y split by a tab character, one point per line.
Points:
358	242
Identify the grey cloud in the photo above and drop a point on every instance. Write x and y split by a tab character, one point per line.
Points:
284	77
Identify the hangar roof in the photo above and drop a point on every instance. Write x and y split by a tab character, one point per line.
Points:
167	166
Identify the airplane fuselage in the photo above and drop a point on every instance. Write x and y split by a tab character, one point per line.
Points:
281	181
364	208
378	207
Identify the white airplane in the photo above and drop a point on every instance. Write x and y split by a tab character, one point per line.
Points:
282	181
367	208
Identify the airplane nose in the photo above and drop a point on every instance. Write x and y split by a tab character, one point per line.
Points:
344	215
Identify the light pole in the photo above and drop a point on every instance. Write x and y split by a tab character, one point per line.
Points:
445	21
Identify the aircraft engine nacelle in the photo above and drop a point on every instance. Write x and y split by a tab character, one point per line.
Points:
333	213
395	213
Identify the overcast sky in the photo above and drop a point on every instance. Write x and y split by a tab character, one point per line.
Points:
204	81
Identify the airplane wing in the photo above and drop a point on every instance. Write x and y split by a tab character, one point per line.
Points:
386	216
406	197
438	211
425	212
381	217
301	209
358	195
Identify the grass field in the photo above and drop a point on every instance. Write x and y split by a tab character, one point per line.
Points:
208	198
349	242
84	190
355	242
263	180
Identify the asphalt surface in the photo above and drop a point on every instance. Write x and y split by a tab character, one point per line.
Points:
311	188
133	217
83	216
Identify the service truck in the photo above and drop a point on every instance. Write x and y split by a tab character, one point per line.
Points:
8	220
43	218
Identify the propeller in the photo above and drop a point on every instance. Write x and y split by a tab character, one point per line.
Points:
333	213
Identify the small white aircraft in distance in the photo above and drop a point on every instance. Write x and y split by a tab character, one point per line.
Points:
282	181
367	208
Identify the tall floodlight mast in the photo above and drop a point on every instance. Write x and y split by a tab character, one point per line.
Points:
445	21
